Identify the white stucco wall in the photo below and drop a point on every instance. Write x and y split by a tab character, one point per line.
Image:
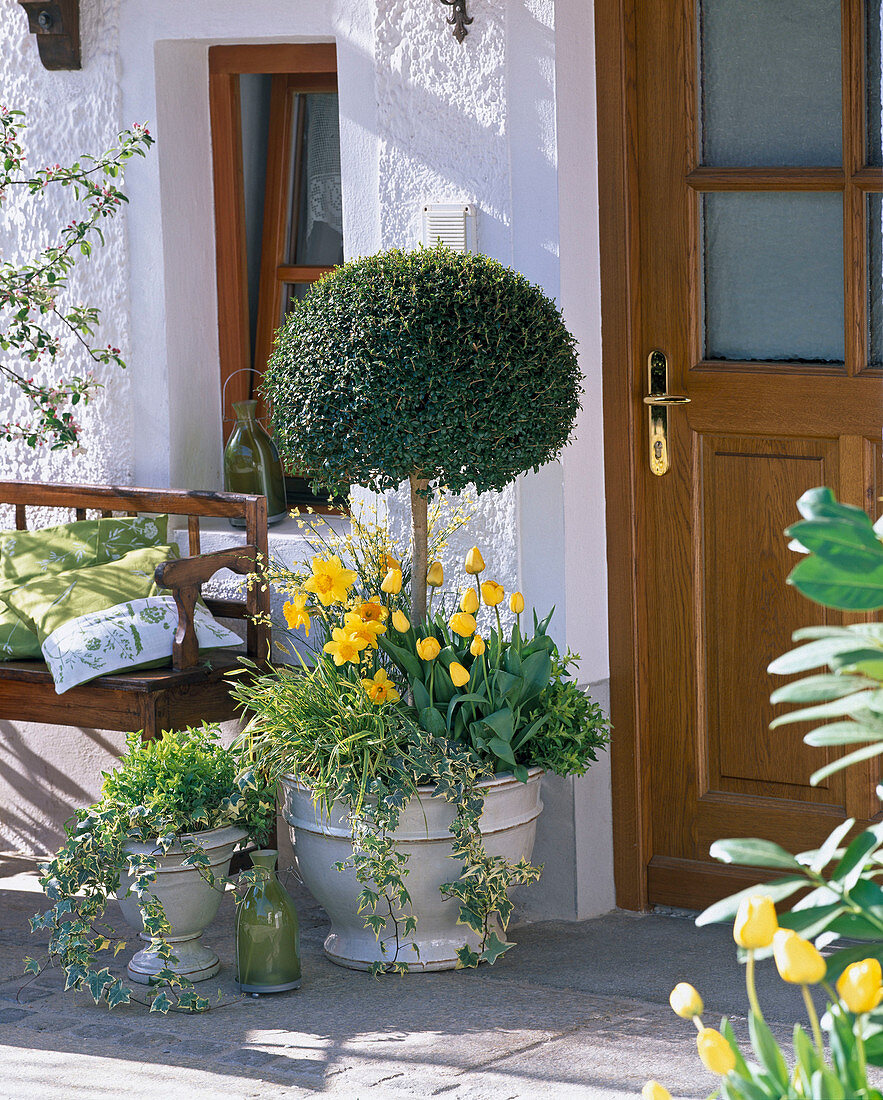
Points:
422	118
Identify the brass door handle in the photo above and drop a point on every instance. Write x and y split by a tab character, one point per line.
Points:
666	399
659	400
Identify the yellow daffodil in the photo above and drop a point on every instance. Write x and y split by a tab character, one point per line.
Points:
428	649
654	1091
373	611
462	624
478	646
400	621
343	647
366	630
516	603
469	601
330	581
381	689
474	561
435	575
459	675
756	922
797	960
392	582
715	1052
685	1001
860	985
492	593
295	612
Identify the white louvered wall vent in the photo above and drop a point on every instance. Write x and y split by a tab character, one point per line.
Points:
452	223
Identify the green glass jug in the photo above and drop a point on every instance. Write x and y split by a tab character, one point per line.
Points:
267	941
252	464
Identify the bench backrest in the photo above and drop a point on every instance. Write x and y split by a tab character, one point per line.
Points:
192	503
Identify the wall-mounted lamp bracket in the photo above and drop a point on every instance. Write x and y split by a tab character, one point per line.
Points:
56	23
458	18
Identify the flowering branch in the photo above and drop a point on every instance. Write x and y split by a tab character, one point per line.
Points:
30	293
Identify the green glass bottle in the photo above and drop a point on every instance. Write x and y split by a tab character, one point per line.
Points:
267	944
252	464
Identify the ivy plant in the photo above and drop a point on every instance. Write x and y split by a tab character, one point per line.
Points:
163	793
435	367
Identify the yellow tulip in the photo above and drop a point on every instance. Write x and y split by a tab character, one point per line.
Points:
474	561
860	985
400	621
391	562
756	922
469	601
516	603
462	624
435	575
392	582
492	593
459	675
797	960
685	1001
428	649
654	1091
478	646
715	1052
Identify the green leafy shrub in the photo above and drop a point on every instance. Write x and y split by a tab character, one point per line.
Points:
576	726
182	784
434	367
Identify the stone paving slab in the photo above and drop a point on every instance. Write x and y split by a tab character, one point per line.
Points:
576	1010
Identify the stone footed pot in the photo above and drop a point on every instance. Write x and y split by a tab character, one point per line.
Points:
190	905
508	827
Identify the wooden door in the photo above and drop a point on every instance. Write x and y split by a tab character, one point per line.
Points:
741	213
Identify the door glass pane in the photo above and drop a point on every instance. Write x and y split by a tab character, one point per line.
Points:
875	278
773	276
315	220
770	82
873	47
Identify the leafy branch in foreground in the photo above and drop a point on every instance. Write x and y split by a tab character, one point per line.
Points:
30	293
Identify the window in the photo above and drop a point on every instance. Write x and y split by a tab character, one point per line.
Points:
278	208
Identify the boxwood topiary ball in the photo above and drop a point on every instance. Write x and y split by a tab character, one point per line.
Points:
432	362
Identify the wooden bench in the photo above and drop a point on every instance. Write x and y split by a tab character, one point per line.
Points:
192	690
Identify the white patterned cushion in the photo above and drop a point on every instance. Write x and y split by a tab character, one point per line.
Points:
124	637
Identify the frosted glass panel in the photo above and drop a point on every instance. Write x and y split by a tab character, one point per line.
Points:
770	82
773	276
873	46
875	278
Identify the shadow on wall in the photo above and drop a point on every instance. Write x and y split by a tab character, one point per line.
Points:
47	772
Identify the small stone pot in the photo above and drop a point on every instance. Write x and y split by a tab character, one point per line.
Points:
508	828
190	905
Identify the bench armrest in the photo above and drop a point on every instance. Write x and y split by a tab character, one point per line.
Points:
184	577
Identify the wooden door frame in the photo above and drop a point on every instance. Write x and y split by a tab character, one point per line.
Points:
620	301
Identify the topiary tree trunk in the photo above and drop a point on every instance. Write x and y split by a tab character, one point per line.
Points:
419	545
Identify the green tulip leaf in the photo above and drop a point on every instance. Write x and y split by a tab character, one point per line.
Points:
856	856
829	585
851	547
421	695
820	503
502	749
408	662
501	723
753	852
725	910
767	1050
843	733
867	753
822	856
812	655
847	704
813	689
432	721
536	672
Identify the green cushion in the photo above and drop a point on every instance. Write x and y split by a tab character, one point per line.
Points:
45	603
117	535
26	554
16	641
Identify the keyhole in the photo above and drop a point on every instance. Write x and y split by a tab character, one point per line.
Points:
657	449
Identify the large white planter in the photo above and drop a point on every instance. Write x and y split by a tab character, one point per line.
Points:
190	905
508	827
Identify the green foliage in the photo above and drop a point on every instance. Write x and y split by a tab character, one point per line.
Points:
32	316
322	728
575	726
163	790
431	361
